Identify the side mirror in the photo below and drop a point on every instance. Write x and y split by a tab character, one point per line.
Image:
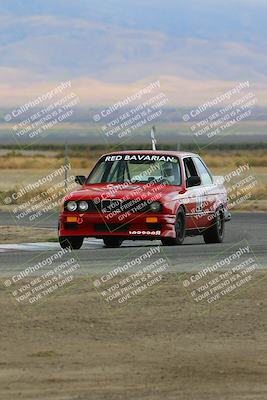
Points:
193	181
80	179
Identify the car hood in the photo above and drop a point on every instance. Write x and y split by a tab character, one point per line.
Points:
132	191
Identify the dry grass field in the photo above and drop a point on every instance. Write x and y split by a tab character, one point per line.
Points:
19	168
52	159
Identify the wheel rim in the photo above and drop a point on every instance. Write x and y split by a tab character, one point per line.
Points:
220	224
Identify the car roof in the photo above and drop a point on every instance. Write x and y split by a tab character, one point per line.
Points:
155	152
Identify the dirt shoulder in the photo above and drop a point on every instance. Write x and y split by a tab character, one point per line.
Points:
161	347
24	234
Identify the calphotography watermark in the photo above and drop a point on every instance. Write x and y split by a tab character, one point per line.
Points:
216	101
36	118
130	278
242	185
44	194
129	115
219	115
135	205
225	275
41	277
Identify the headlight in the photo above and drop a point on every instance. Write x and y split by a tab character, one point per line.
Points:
72	206
155	206
83	205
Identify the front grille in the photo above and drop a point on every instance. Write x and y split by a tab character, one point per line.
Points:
138	206
111	206
123	206
116	206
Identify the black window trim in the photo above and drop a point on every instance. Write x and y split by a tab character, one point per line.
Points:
203	163
192	158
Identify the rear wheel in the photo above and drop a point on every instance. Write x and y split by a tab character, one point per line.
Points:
73	242
179	230
112	242
215	233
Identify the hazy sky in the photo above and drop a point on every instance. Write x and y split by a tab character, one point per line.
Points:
116	45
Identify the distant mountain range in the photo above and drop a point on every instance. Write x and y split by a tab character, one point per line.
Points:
106	47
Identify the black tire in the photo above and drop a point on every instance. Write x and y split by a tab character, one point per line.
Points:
215	233
112	242
73	242
179	229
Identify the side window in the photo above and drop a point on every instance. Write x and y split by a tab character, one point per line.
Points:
204	174
190	169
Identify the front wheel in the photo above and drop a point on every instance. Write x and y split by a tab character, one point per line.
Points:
215	233
72	242
179	231
112	242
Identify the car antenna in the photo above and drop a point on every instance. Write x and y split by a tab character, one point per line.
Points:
66	162
153	139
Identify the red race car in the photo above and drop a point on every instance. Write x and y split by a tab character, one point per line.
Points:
137	195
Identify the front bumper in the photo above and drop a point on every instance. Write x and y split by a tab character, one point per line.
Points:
133	227
227	215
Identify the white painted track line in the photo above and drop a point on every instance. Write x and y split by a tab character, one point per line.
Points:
41	246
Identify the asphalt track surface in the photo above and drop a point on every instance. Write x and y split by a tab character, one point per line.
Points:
244	229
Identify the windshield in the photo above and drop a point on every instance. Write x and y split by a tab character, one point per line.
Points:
136	168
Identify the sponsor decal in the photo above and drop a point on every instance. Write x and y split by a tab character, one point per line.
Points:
141	157
144	233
